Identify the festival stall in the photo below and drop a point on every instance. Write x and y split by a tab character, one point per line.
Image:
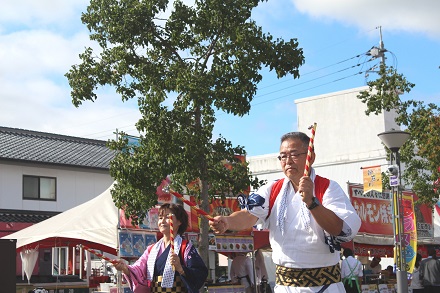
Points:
100	226
376	235
376	213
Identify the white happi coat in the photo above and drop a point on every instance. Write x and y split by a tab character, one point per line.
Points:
302	245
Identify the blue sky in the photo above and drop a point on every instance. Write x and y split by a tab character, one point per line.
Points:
41	40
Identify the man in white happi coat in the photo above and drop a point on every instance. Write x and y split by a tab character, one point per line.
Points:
309	218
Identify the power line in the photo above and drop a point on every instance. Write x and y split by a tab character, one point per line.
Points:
336	80
319	69
269	93
314	79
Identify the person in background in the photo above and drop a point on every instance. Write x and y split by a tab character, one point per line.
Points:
374	265
158	270
388	273
416	284
304	232
430	272
351	272
242	271
261	273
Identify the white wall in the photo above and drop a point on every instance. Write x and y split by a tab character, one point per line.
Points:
74	186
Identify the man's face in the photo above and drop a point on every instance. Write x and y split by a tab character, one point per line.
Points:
293	154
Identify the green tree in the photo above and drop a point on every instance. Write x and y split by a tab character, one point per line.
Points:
182	64
421	153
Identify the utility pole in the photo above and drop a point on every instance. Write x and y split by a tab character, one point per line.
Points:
399	139
378	52
381	47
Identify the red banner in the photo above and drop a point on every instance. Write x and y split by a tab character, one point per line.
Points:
374	208
373	250
376	212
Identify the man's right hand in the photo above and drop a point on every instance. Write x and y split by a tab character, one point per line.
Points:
219	225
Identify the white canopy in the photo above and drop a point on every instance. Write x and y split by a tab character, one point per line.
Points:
94	222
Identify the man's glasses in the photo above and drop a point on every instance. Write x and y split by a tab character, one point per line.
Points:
294	156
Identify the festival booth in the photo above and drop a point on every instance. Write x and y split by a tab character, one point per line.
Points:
241	242
98	226
78	245
376	235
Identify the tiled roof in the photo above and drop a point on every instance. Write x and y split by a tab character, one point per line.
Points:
47	148
17	216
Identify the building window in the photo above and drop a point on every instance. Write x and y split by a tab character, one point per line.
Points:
37	187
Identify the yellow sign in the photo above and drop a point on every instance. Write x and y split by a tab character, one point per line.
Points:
372	179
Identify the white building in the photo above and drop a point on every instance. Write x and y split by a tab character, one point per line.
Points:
49	172
345	139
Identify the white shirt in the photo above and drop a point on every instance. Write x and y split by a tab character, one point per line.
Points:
376	270
240	267
350	264
260	267
299	248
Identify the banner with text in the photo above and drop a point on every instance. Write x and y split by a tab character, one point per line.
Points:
409	231
376	212
372	178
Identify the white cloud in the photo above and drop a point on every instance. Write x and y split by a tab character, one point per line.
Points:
39	42
49	13
26	54
399	15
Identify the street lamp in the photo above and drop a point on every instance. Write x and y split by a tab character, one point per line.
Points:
394	139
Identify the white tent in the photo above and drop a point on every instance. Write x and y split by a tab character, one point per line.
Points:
93	223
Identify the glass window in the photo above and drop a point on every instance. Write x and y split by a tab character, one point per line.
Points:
36	187
47	188
30	187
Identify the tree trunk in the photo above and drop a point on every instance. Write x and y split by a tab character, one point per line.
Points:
204	227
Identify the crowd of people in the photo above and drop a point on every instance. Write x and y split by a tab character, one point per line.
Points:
424	278
308	218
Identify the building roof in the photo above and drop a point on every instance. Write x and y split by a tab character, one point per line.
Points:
19	216
47	148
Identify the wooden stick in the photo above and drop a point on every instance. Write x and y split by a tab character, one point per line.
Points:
113	261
